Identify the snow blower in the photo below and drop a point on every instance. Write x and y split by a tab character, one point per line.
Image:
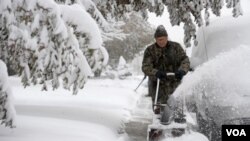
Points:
175	125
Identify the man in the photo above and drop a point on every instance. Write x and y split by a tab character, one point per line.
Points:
164	57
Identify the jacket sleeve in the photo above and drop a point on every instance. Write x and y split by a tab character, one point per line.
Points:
147	63
183	60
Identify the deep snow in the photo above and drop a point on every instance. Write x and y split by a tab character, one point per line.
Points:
97	113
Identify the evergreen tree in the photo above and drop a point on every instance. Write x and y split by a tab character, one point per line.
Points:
138	34
43	42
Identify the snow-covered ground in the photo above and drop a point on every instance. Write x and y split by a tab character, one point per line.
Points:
97	113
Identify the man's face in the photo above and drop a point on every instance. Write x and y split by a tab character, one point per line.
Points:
162	41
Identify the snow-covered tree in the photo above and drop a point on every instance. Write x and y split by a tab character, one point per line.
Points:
42	36
7	111
188	12
97	55
122	68
138	35
44	41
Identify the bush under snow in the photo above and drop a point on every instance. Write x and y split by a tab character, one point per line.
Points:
7	111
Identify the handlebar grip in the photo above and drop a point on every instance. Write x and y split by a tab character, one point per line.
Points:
170	74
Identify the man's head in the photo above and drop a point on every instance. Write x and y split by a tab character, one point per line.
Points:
161	36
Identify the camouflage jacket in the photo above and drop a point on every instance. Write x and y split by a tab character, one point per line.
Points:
168	59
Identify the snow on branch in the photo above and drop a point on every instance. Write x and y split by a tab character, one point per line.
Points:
44	41
87	25
90	6
188	12
7	111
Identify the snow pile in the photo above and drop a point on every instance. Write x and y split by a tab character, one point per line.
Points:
122	68
122	71
51	129
97	113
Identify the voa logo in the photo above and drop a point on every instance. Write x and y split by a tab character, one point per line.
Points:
236	132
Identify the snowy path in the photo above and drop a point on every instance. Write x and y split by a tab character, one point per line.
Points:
141	117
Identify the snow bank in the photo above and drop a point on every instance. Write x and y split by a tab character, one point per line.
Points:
51	129
97	113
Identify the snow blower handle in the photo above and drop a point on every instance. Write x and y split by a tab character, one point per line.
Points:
157	91
170	74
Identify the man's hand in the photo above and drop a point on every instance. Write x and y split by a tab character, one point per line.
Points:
161	75
179	74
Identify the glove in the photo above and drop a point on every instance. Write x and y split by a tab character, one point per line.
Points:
161	75
179	74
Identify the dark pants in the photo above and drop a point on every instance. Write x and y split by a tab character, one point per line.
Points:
162	94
